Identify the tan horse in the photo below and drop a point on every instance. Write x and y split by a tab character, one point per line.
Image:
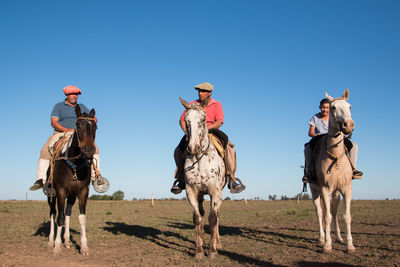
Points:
334	174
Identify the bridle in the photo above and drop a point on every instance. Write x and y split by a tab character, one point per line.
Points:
330	154
201	153
67	158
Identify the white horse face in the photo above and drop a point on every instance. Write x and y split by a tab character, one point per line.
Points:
196	128
340	113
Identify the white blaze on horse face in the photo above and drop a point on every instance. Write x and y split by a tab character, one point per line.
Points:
196	128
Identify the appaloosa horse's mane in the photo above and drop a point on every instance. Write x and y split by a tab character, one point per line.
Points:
71	180
204	174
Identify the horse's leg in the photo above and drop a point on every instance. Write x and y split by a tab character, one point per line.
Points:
347	218
335	205
198	221
53	212
215	204
61	195
316	195
83	195
68	210
326	195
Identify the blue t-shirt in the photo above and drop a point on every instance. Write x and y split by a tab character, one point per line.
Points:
321	126
66	114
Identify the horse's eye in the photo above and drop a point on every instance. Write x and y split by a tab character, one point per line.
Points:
350	107
333	107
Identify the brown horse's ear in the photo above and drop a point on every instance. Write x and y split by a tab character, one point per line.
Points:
92	113
346	94
77	110
328	97
184	103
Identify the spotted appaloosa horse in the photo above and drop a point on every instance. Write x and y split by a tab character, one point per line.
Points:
71	179
334	174
204	174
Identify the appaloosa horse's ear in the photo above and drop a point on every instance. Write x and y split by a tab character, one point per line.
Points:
184	103
77	110
328	97
92	113
345	95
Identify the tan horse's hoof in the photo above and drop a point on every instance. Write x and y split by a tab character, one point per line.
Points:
213	255
327	250
67	244
199	256
50	244
351	250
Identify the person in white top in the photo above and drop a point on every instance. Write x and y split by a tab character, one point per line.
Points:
319	125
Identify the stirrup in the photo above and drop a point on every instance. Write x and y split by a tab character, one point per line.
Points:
238	188
176	189
357	174
100	184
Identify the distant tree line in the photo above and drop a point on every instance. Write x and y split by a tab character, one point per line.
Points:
118	195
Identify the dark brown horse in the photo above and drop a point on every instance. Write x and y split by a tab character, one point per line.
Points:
71	179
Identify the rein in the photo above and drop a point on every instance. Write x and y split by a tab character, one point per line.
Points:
205	152
335	158
67	158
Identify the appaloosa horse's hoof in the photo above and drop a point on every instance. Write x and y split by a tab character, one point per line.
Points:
67	244
84	251
50	244
56	250
327	250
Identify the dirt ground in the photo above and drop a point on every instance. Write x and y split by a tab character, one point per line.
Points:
259	233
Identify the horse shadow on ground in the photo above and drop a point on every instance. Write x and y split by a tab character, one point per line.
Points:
266	236
44	230
355	233
157	236
324	264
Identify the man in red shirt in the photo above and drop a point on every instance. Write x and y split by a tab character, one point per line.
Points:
214	120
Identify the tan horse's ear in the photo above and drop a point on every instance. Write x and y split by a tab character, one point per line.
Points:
184	103
328	97
345	95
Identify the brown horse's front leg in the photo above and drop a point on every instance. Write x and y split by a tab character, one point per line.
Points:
60	219
83	195
53	212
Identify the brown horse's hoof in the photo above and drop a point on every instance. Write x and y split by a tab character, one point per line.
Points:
213	255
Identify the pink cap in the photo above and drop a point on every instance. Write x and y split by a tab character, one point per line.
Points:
70	89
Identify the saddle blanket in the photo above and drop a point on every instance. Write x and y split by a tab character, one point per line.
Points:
59	143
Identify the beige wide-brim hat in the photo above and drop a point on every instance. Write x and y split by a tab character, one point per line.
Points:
204	86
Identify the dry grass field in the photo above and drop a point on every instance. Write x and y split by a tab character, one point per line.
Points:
261	233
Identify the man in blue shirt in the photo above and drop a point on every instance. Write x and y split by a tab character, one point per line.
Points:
63	119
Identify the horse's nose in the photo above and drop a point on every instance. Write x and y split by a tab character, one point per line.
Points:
198	149
348	124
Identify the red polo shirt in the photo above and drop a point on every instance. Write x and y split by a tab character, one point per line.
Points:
214	111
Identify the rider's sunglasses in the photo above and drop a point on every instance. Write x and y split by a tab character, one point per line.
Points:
72	94
202	91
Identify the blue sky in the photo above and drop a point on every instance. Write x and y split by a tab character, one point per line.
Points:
271	62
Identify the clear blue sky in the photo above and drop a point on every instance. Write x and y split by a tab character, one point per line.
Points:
271	62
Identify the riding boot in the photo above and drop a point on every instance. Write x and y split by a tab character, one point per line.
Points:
41	175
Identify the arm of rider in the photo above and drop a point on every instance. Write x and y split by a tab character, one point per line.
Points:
183	125
311	131
215	125
58	127
95	119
